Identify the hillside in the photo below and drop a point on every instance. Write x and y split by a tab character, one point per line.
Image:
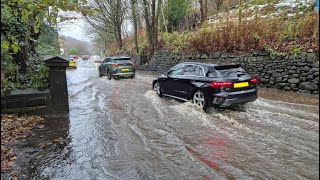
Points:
284	26
262	9
82	46
279	27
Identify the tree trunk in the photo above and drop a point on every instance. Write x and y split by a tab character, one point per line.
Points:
148	26
153	23
240	11
135	25
3	76
218	5
164	19
32	43
201	11
155	26
118	36
105	46
118	24
21	57
119	32
205	9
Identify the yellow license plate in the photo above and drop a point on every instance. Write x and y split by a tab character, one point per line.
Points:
124	70
240	85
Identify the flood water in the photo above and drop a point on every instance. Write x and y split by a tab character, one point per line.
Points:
120	129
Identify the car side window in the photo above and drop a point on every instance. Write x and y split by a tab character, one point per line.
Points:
176	70
193	70
108	60
198	71
189	70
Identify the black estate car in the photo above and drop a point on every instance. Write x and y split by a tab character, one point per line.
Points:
207	84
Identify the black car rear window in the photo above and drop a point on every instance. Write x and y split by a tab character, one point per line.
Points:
212	73
231	70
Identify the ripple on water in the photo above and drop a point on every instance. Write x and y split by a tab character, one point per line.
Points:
156	101
208	118
307	112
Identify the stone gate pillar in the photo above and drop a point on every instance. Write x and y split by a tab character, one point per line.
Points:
58	82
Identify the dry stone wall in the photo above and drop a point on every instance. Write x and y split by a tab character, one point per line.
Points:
24	100
291	73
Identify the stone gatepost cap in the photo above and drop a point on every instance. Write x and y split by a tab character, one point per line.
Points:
56	61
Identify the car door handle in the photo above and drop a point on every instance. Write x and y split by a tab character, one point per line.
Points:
175	79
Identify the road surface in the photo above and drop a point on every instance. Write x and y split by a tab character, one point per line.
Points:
120	129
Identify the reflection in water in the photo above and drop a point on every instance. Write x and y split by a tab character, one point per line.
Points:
45	150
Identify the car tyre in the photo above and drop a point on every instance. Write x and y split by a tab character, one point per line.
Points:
100	74
200	99
109	75
157	88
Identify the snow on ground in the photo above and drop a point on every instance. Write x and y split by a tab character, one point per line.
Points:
281	7
294	3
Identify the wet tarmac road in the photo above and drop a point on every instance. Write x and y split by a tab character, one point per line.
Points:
120	129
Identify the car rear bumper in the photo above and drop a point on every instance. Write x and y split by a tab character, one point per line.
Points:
124	74
119	71
230	98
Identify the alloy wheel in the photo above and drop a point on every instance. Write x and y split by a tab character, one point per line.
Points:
156	88
199	99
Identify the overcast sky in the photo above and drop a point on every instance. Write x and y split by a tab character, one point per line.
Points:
73	28
77	28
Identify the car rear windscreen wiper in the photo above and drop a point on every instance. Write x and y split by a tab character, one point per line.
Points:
241	74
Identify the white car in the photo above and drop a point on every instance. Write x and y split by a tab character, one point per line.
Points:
97	59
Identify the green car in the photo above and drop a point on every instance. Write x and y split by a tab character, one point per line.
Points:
117	66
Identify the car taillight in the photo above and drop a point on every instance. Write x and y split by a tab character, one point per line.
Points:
114	65
220	84
253	80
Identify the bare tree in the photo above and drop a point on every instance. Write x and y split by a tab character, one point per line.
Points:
164	19
101	38
218	4
156	22
240	11
151	15
148	25
205	9
108	17
135	23
201	11
212	6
